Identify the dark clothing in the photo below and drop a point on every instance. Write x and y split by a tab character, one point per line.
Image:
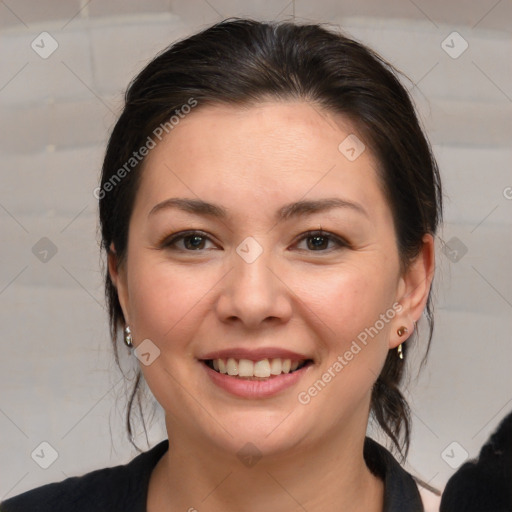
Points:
125	487
484	484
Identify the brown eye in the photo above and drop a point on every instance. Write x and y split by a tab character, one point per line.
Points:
192	241
317	241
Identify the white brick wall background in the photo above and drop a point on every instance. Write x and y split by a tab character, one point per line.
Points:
58	380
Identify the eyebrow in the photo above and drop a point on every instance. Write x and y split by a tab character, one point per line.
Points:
304	207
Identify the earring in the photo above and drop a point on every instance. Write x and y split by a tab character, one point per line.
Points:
128	336
401	331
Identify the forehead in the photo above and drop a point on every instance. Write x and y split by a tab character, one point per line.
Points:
250	156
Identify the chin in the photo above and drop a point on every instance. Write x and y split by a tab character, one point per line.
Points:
264	433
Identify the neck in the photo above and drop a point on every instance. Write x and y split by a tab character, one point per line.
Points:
327	476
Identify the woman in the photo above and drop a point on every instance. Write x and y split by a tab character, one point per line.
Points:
268	207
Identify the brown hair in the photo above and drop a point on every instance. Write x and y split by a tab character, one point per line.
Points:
241	61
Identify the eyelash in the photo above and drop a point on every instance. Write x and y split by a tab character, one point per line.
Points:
169	243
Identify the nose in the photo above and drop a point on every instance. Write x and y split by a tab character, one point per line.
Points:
254	292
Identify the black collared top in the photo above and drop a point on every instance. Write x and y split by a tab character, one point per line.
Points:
125	487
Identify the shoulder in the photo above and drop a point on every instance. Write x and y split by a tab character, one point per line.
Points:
121	487
74	493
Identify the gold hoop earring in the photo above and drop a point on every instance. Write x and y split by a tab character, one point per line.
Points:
400	351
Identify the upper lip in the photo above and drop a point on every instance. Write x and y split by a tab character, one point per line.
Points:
255	354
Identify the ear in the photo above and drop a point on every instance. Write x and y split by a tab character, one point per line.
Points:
413	290
117	274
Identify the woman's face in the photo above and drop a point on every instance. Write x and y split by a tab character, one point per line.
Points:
253	285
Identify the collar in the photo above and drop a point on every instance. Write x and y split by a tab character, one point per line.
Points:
401	493
400	490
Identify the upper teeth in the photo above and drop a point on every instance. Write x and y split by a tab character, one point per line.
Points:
248	368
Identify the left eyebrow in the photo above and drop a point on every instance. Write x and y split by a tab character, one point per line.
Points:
315	206
200	207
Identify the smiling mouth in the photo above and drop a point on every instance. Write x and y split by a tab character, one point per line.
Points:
263	369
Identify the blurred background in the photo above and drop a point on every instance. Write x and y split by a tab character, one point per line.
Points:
64	68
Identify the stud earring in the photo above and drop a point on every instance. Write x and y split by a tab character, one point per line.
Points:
401	331
128	336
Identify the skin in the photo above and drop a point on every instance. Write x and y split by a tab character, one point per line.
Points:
252	161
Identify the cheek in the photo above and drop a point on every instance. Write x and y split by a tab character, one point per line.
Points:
161	298
166	304
349	304
347	300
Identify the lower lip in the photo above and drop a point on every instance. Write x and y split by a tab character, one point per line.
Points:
255	388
